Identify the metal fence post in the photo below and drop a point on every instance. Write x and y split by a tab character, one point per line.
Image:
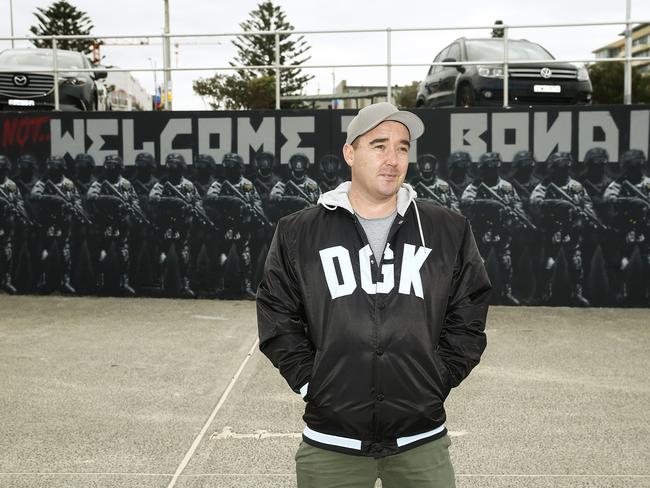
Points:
506	94
389	92
627	84
55	65
277	71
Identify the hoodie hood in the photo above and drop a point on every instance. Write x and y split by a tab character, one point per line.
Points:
338	197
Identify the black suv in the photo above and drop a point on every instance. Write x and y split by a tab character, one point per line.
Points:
21	88
529	83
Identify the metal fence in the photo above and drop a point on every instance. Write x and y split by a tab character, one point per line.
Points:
389	64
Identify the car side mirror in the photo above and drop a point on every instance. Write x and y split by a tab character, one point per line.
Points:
100	75
457	66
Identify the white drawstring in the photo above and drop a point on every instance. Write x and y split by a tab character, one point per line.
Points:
417	214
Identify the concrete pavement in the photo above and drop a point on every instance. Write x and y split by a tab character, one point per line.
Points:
111	392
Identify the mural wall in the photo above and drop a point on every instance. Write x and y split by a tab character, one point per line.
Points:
185	203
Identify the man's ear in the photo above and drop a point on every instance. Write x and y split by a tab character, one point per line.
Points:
348	154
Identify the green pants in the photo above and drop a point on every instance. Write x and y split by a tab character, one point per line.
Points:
426	466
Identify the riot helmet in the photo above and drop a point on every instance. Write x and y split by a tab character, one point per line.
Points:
596	156
204	165
459	160
175	164
233	165
298	165
330	166
113	166
55	168
427	164
26	165
633	162
265	161
523	165
84	164
558	165
488	167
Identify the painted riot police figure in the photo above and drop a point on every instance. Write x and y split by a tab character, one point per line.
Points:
629	199
522	177
178	205
265	176
115	209
57	206
496	212
431	188
84	178
204	168
26	177
330	172
565	211
296	192
240	210
12	210
458	164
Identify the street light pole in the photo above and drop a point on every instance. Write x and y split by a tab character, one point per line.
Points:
167	59
11	21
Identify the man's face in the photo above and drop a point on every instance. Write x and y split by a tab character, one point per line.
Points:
380	159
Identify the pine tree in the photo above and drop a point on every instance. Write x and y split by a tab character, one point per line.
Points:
256	88
63	19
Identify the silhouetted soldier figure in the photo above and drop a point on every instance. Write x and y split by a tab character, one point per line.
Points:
115	208
296	192
12	210
330	172
564	209
84	177
431	188
177	204
522	177
26	177
458	164
241	212
496	211
594	177
58	204
629	197
144	179
204	168
265	176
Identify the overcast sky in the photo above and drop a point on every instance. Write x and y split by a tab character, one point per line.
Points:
139	18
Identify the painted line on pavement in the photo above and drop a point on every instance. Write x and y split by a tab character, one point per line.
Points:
220	403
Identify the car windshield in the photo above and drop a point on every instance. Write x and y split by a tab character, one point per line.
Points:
492	50
43	59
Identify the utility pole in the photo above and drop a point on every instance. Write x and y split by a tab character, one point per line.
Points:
167	60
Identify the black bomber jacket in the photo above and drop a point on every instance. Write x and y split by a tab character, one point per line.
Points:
374	348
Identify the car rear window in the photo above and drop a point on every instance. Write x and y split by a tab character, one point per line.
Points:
41	59
492	50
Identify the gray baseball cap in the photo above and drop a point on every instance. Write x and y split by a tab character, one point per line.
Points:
371	116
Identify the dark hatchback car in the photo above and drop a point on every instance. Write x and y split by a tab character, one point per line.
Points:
532	83
22	89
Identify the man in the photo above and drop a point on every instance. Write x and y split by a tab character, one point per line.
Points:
330	169
368	323
459	163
